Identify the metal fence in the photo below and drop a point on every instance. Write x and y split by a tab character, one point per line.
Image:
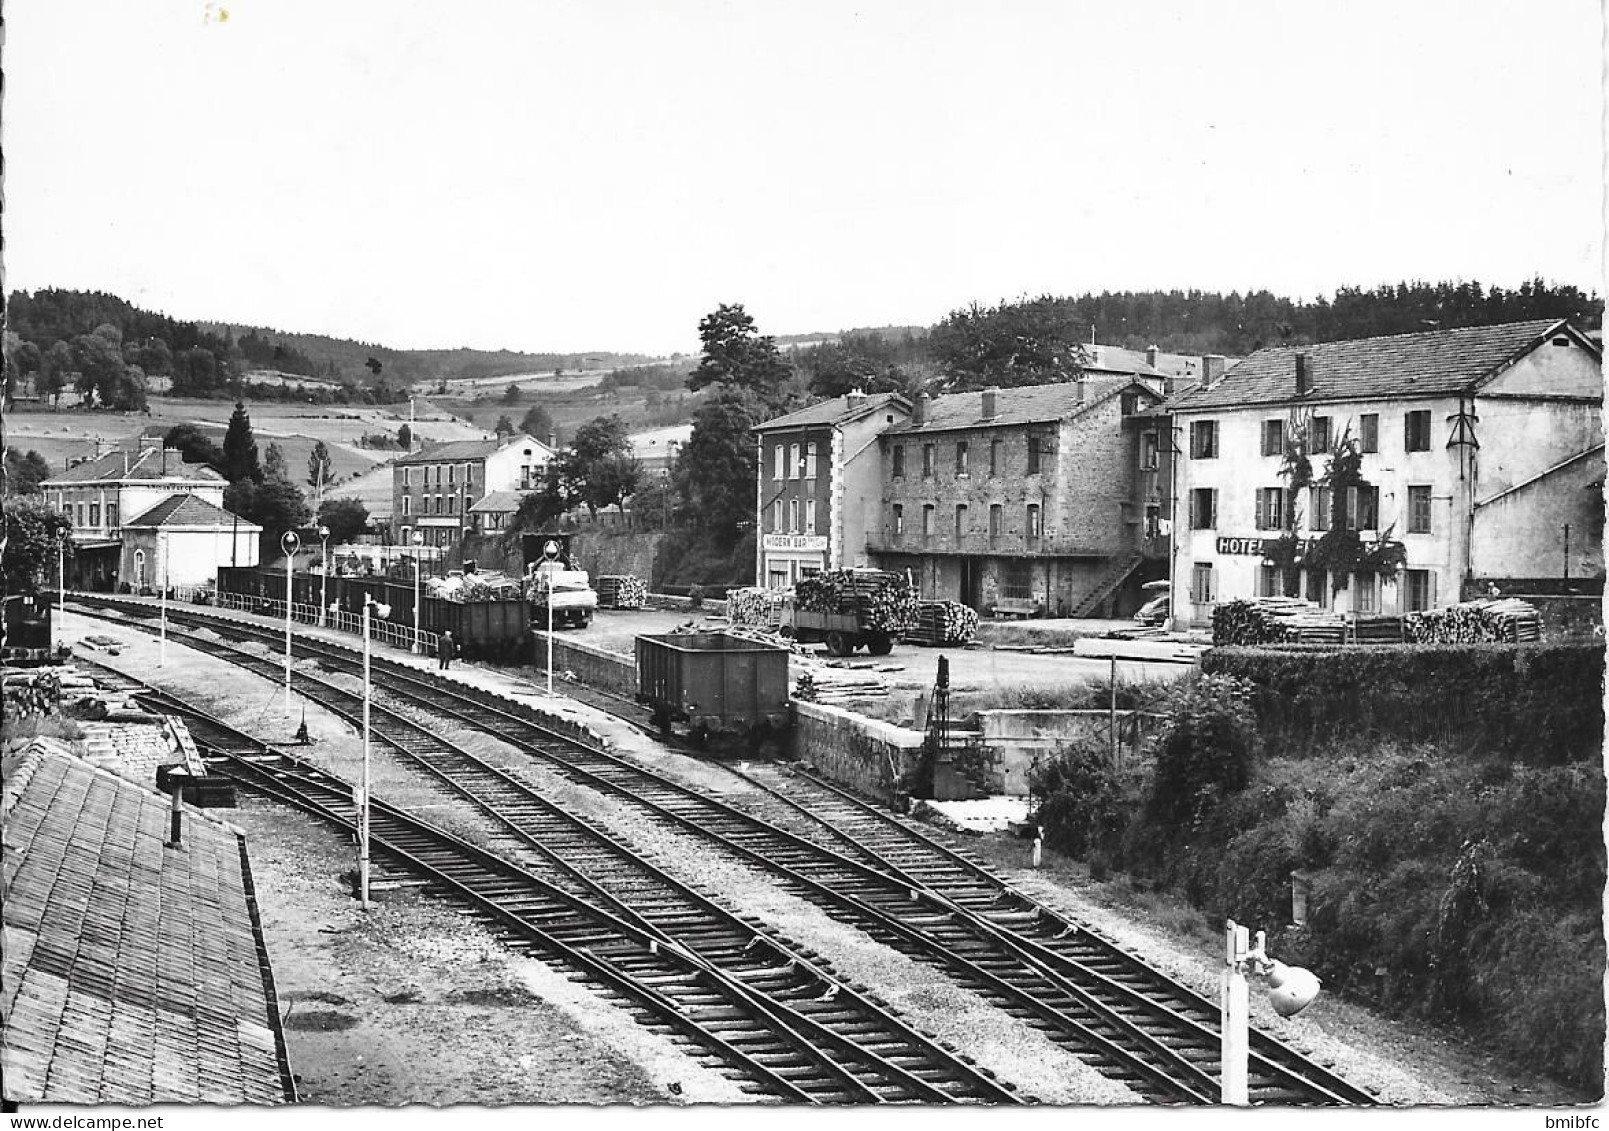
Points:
383	630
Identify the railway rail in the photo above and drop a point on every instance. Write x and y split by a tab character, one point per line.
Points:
1125	1019
742	997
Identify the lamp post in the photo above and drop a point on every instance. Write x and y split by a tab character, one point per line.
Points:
162	600
1291	989
550	551
324	582
371	608
418	541
288	542
61	584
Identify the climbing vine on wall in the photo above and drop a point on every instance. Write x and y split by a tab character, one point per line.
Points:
1339	549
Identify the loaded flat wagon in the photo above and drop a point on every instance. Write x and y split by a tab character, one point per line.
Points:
722	686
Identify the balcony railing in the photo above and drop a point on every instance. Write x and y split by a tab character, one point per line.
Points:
998	545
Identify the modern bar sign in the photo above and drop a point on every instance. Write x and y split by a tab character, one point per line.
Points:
795	541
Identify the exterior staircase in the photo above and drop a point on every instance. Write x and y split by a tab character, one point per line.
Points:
1116	573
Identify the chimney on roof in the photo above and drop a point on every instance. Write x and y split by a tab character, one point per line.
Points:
919	411
1151	355
991	406
1078	389
1212	369
855	398
1304	376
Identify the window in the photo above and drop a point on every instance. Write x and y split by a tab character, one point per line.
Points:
793	516
1270	508
997	519
1418	510
1319	510
1416	431
81	515
111	514
438	475
961	458
1369	432
406	477
1017	582
139	570
407	506
1204	439
899	519
927	520
1148	451
407	535
451	468
793	461
778	513
1269	582
1418	590
452	504
927	461
1318	587
1273	437
1318	435
779	462
810	516
1363	508
1036	448
1365	593
94	514
1033	521
1203	508
810	460
960	521
899	461
1203	588
994	457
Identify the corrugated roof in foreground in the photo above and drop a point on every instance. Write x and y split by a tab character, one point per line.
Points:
134	973
1435	363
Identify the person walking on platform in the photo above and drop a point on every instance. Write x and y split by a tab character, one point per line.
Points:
445	651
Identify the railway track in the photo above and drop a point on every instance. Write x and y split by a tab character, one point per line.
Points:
744	998
1119	1015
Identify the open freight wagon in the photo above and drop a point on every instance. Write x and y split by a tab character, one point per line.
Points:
726	688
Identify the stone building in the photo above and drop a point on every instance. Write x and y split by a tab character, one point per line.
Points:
435	490
1481	452
1022	501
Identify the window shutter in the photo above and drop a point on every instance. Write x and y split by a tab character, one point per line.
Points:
1430	589
1262	509
1212	498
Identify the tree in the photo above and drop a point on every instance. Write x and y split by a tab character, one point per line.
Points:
320	468
274	463
511	395
599	467
195	446
103	376
505	426
405	438
346	518
54	370
25	471
537	422
32	532
737	356
275	504
1029	342
195	373
716	469
541	507
240	449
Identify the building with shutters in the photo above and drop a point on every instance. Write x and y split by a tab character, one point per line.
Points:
435	490
1481	452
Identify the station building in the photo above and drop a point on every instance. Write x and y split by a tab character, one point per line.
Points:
1482	453
435	490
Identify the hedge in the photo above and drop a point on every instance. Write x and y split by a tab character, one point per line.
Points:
1539	703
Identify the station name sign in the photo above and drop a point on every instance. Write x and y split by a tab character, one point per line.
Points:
794	541
1258	547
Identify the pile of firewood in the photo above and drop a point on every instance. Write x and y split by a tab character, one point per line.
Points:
1483	621
622	591
1275	620
943	622
754	607
884	602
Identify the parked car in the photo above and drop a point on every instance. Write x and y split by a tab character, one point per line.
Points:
1154	613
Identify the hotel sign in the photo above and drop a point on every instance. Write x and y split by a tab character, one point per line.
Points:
794	542
1258	547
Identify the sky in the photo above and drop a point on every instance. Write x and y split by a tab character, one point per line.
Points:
600	174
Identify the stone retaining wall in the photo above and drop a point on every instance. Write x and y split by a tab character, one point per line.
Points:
863	754
608	671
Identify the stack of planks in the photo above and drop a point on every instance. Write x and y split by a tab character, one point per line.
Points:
1276	620
1482	621
622	591
943	622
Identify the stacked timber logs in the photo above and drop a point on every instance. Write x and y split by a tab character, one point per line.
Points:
622	591
1275	620
883	601
943	622
480	586
1501	620
755	608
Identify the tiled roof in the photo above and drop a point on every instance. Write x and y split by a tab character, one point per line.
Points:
134	750
459	451
189	510
134	973
1027	404
837	410
494	501
145	466
1432	364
